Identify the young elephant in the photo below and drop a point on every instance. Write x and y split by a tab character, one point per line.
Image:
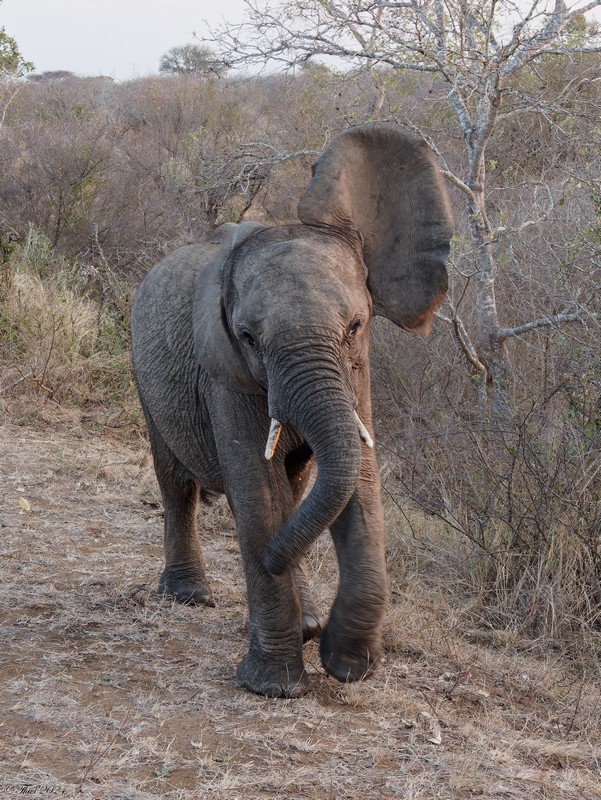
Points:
261	334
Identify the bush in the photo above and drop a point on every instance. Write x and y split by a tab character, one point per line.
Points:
512	515
61	342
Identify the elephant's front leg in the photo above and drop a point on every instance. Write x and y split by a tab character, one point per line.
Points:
261	499
350	642
273	665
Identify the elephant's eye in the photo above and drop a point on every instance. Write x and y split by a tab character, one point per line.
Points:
247	337
352	329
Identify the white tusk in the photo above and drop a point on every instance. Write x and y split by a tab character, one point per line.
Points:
363	432
272	440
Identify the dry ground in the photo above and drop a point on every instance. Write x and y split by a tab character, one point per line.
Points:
109	691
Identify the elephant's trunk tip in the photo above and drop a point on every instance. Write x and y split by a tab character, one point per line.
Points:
274	561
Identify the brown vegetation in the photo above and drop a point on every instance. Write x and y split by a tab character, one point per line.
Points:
493	635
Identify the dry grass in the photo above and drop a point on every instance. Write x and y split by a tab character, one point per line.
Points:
64	340
111	692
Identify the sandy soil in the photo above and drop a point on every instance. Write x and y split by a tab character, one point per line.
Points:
109	691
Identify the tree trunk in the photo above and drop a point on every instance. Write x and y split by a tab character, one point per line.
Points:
491	345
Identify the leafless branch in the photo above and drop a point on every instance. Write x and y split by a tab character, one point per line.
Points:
7	105
463	338
456	181
544	322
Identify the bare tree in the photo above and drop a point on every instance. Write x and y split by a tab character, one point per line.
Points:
478	50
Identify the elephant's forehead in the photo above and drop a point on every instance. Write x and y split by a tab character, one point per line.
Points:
307	264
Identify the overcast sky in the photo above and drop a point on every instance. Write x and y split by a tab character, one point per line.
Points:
120	38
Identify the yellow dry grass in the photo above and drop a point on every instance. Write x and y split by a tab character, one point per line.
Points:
62	347
109	691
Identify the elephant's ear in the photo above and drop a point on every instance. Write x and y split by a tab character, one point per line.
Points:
215	347
383	183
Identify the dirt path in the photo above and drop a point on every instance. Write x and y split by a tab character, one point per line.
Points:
109	691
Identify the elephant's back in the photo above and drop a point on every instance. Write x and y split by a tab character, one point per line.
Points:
170	381
167	291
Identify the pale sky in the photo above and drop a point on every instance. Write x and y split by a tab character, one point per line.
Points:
120	38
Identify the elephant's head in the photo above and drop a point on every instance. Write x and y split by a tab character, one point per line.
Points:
285	311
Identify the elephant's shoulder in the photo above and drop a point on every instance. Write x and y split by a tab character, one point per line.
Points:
188	260
181	267
174	277
171	285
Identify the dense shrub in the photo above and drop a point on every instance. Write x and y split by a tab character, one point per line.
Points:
61	342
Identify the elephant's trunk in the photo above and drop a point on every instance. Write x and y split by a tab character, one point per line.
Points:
316	401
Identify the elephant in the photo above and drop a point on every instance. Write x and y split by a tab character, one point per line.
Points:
250	352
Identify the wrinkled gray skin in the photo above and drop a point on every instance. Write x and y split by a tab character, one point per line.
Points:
257	323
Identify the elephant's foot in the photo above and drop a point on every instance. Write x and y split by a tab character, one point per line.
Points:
272	679
346	659
190	589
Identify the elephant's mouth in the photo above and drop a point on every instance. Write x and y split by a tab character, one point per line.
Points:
275	429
